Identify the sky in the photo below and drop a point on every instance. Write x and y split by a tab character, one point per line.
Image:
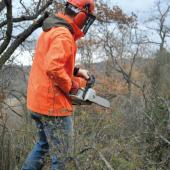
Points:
139	7
142	8
134	5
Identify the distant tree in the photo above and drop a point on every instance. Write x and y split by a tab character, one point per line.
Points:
160	26
120	42
160	20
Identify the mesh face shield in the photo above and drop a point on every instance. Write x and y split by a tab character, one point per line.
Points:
90	20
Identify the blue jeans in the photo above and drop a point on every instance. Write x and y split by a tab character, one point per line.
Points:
54	137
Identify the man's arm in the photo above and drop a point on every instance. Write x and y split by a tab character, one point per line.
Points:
59	52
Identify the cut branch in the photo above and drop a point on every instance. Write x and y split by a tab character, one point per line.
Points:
164	139
102	157
105	161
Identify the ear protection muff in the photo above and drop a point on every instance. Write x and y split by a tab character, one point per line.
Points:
80	19
83	19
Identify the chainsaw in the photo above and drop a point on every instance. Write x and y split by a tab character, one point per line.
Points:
87	95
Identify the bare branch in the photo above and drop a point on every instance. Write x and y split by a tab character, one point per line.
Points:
21	38
5	43
2	5
162	28
135	55
38	5
23	5
13	111
164	139
126	75
28	17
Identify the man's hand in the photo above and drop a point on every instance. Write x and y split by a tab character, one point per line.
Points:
74	87
83	73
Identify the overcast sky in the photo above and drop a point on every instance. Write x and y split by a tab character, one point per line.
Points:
134	5
140	7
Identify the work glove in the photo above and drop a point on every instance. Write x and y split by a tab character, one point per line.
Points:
74	87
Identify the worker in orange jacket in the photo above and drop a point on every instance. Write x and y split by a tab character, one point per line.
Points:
52	80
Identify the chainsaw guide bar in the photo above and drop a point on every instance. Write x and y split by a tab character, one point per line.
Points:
87	97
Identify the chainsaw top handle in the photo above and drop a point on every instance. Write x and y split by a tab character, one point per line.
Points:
90	82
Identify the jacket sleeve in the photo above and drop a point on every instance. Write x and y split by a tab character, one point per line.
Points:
59	51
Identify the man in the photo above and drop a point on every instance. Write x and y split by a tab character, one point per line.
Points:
51	82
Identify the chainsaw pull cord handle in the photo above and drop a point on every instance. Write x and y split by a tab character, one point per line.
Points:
90	84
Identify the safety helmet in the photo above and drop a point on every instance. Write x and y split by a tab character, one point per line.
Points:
81	4
83	9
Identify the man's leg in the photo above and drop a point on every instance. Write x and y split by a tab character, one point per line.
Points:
35	159
59	131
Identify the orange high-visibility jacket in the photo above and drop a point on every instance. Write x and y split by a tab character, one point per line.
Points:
51	74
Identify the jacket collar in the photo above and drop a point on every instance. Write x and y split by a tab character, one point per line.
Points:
77	33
